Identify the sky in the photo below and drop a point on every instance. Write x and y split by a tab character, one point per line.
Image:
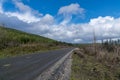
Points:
72	21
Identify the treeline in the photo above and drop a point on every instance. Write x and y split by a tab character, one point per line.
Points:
97	61
111	45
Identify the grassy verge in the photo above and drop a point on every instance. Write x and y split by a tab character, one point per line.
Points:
16	51
89	68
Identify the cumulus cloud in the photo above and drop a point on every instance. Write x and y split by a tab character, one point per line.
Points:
104	27
25	19
47	19
24	12
1	4
13	22
1	11
72	9
77	40
22	7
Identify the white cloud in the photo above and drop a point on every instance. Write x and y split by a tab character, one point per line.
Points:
72	9
106	26
1	4
77	40
47	19
24	13
22	7
13	22
25	19
25	8
1	11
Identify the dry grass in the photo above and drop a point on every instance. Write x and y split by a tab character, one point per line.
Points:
102	65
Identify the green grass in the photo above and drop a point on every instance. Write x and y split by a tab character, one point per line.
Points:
16	51
14	42
89	68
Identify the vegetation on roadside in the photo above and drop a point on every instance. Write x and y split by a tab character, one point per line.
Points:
100	64
14	42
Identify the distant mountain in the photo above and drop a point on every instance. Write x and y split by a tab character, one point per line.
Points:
14	42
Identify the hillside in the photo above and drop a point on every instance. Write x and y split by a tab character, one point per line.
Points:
14	42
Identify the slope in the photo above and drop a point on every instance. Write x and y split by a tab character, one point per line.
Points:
14	42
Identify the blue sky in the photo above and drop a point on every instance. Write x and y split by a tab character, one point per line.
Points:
93	8
65	20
